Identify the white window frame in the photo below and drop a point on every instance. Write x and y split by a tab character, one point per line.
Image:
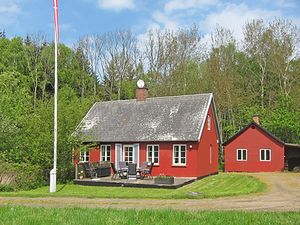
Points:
180	158
265	154
105	153
152	160
123	153
208	122
242	150
84	156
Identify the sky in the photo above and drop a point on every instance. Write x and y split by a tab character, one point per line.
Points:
79	18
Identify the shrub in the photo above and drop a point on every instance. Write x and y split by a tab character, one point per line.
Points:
23	176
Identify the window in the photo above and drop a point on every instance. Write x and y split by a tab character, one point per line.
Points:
208	122
128	153
153	154
84	156
105	152
241	154
179	155
265	154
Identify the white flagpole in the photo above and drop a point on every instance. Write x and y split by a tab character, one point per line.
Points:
53	171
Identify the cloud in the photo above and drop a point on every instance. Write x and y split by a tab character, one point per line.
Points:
9	10
234	17
173	5
167	22
116	5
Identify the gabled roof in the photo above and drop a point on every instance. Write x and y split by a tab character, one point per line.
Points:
245	128
173	118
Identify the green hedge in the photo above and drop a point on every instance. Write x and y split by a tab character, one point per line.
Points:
23	176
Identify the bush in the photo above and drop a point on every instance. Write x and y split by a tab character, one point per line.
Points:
23	176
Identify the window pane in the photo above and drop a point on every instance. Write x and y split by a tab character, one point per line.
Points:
183	160
268	155
176	160
262	155
239	155
244	154
156	154
155	160
183	154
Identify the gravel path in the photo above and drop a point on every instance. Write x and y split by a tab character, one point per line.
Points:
283	195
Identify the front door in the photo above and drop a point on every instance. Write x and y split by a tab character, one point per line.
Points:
128	153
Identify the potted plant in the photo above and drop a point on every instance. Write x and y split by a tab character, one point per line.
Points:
164	179
80	175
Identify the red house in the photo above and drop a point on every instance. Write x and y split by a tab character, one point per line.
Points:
178	133
254	149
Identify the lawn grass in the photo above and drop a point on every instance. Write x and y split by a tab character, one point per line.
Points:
224	184
26	215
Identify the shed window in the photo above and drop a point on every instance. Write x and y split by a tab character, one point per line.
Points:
105	152
153	154
265	154
241	154
208	122
179	155
84	156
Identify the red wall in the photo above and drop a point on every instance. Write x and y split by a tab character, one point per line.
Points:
253	140
209	137
197	161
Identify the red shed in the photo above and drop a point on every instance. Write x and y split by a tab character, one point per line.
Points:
179	134
254	149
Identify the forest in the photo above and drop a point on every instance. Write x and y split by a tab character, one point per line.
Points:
256	74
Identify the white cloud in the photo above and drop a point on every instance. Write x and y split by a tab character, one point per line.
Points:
166	21
116	5
9	10
173	5
234	17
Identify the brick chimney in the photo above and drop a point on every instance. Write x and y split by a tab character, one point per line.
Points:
256	119
141	94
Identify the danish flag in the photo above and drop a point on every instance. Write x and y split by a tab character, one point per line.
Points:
55	6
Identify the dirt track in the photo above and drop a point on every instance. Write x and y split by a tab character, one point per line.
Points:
283	195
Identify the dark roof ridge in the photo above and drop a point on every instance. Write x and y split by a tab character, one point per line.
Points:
159	97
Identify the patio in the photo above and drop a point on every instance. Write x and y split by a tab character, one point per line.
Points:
138	183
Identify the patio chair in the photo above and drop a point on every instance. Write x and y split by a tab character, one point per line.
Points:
89	171
132	173
116	172
147	172
122	165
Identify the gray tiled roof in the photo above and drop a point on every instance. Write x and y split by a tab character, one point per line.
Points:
173	118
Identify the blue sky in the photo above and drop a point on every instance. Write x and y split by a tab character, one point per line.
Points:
78	18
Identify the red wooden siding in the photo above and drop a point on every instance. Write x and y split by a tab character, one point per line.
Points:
209	137
253	139
197	156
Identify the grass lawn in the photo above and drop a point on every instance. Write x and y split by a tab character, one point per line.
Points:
223	184
27	215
